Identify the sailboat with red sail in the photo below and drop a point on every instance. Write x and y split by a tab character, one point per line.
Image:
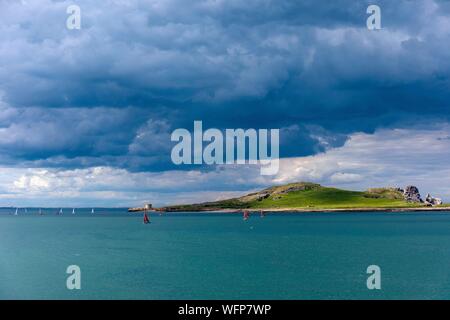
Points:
146	218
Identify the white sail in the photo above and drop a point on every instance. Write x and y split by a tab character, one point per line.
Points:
92	211
73	211
17	212
61	211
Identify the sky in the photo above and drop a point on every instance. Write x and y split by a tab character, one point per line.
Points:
86	115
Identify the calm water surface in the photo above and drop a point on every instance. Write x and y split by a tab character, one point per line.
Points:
219	256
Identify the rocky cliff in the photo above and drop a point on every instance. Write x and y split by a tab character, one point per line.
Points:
411	194
429	200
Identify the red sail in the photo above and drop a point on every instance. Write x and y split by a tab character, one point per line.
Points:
146	219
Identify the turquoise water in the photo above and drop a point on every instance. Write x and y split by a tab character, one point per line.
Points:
219	256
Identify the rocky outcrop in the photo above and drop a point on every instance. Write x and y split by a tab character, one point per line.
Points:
411	194
429	200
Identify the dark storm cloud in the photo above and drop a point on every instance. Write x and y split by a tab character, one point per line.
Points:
110	93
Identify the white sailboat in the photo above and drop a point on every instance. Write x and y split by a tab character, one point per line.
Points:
17	212
73	211
40	211
92	211
61	211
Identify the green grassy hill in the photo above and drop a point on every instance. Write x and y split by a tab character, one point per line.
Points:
305	195
328	198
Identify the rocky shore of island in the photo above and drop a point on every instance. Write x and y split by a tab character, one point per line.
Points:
412	194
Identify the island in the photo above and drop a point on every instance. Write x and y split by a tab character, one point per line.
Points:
313	197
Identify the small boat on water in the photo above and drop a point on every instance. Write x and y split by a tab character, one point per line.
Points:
92	211
40	212
146	218
73	211
60	211
17	212
246	215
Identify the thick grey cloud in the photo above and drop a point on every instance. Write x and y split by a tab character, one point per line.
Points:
148	52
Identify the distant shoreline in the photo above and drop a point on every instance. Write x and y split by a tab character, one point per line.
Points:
307	210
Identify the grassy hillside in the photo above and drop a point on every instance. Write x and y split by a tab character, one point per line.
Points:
328	198
306	195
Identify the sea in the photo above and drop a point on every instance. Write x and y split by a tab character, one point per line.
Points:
221	256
